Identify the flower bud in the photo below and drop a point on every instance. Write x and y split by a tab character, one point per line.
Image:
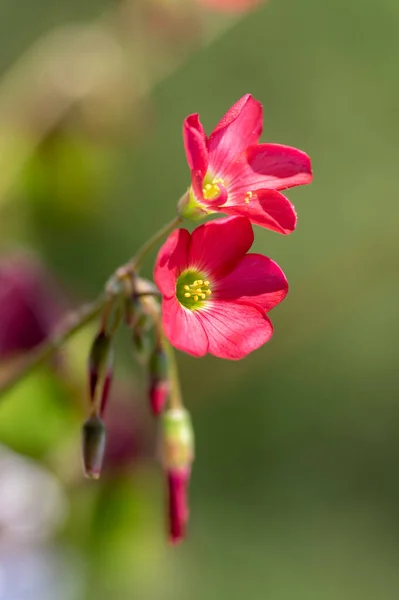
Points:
177	439
159	384
178	512
159	392
99	358
106	386
177	456
93	446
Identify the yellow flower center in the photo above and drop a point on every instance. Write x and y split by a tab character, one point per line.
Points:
192	289
212	190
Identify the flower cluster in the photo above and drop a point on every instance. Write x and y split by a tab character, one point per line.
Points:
215	294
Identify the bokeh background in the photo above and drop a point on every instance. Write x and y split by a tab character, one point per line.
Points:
295	489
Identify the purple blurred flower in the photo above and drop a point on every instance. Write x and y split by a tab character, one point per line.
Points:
30	304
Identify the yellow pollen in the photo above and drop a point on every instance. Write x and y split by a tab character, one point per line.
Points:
206	282
200	282
208	292
203	296
187	295
248	197
195	298
186	287
212	190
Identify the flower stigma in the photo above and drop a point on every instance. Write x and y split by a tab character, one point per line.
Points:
192	289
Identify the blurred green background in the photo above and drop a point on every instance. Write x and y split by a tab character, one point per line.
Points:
295	488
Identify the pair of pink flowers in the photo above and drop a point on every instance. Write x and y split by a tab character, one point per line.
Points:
216	296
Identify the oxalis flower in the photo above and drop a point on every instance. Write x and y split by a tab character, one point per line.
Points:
234	174
215	296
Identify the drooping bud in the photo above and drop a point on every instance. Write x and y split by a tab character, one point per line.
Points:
178	481
106	387
159	384
159	392
177	457
99	358
93	446
142	338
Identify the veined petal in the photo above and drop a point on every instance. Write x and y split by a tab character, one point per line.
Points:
270	166
256	280
240	127
217	246
171	260
195	144
267	208
234	330
183	327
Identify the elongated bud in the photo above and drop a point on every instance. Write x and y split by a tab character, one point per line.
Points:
159	384
159	392
177	482
143	337
177	439
177	456
93	446
107	385
98	359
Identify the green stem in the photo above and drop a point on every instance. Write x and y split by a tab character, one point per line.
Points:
137	259
175	399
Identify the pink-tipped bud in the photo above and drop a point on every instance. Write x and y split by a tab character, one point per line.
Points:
177	457
159	392
93	446
159	384
99	359
178	480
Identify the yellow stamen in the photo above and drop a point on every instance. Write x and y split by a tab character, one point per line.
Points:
206	282
208	292
212	190
186	287
195	298
248	197
187	295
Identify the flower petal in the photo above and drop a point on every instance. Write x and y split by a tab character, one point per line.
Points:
257	280
283	166
267	208
234	330
217	246
183	327
171	260
240	127
195	144
270	166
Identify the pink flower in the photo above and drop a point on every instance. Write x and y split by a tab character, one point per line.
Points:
234	174
215	296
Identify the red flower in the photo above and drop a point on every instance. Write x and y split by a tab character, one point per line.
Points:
215	296
234	174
